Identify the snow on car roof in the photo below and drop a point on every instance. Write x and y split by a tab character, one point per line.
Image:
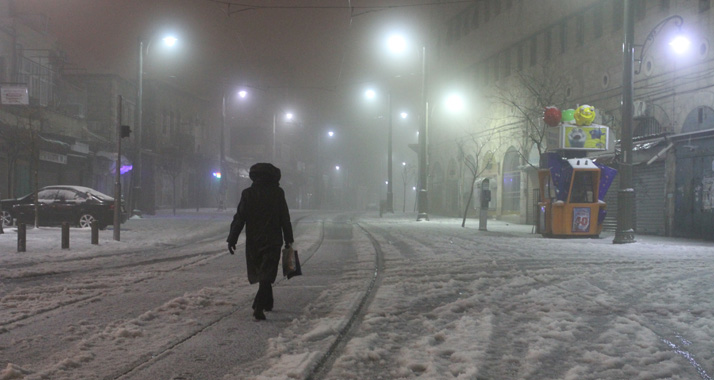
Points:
83	189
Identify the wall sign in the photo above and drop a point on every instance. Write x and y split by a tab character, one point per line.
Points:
53	157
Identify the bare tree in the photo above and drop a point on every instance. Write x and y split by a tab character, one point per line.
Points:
474	154
528	98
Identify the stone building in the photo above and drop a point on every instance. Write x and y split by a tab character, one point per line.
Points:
495	49
68	131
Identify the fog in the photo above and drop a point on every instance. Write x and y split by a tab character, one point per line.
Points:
314	59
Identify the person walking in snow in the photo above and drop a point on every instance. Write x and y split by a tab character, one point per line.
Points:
263	211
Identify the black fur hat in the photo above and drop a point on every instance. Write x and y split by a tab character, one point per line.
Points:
264	171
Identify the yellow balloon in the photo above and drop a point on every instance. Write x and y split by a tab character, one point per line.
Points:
584	115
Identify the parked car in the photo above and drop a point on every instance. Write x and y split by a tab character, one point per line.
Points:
77	205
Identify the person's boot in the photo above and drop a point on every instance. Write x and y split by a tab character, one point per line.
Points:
259	315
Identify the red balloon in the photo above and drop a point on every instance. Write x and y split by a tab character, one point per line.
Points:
552	116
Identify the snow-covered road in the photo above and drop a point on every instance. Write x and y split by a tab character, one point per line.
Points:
381	298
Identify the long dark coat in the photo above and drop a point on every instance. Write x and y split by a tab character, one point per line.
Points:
264	213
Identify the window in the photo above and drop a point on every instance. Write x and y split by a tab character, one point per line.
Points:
641	9
474	18
67	196
664	5
580	30
519	57
486	11
496	7
511	182
46	196
563	37
506	55
597	21
534	51
704	5
583	190
494	69
548	43
618	14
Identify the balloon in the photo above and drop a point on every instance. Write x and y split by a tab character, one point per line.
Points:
585	115
552	116
568	115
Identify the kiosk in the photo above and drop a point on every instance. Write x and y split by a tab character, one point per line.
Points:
572	190
571	197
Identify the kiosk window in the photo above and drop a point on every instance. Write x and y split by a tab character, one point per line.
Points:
583	187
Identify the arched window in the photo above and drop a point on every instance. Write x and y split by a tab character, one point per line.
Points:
700	119
511	182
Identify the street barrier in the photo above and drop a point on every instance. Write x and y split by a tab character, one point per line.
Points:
21	237
65	235
95	232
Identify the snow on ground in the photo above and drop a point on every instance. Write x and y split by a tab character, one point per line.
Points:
453	303
458	303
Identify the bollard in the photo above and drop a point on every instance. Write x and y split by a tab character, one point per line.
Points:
65	235
95	232
21	237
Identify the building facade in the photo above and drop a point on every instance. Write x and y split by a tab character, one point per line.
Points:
513	54
67	133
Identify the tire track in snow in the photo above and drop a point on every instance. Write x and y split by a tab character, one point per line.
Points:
148	360
323	365
195	258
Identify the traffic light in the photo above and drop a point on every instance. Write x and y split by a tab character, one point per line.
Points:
125	131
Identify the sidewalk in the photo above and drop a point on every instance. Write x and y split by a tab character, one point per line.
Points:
44	243
495	226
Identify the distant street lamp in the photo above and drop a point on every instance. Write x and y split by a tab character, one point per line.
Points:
168	41
370	94
398	44
625	232
288	116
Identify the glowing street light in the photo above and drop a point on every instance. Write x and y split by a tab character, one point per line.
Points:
168	41
397	43
680	44
288	116
371	94
454	103
625	232
403	115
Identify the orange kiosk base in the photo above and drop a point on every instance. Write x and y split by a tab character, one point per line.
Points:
571	193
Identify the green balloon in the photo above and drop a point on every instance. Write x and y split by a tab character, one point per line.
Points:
568	115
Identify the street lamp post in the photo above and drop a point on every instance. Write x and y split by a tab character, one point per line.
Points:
390	193
222	184
370	94
422	200
626	194
136	197
288	116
